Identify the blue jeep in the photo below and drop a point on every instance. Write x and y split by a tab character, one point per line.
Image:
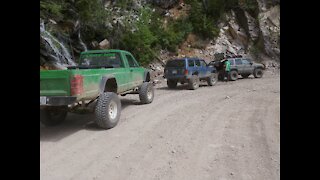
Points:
189	70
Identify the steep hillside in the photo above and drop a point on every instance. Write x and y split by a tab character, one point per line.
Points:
156	30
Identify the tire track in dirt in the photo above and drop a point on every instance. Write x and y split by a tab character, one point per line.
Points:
183	134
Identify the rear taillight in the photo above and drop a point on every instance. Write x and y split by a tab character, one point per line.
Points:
76	85
186	72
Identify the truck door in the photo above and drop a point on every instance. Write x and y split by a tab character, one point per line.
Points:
204	71
191	66
135	78
117	62
198	67
248	68
239	65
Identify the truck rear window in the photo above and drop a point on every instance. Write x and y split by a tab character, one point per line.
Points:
176	63
101	59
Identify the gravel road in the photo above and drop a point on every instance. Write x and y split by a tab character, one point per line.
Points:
228	131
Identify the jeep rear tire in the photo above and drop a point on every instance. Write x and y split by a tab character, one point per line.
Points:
233	75
146	93
212	79
194	82
258	73
51	116
172	83
108	110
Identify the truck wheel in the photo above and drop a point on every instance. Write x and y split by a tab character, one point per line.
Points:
146	93
171	83
194	82
51	116
108	110
258	73
233	75
212	80
245	75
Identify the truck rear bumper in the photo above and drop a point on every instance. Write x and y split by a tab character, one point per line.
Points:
56	100
179	78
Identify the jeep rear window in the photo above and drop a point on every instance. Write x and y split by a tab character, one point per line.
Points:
176	63
101	59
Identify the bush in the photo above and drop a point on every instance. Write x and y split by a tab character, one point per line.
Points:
251	6
90	11
151	36
51	9
140	42
174	34
202	23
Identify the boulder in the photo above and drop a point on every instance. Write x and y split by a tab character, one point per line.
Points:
104	44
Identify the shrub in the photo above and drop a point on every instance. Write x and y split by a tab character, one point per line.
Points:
140	41
202	23
174	34
51	9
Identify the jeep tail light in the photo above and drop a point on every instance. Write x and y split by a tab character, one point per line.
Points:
186	72
76	85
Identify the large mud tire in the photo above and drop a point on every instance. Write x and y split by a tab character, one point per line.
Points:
212	80
108	110
146	93
194	82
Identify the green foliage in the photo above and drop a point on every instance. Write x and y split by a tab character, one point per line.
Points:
202	22
123	3
174	34
51	9
215	8
150	34
251	6
91	12
140	41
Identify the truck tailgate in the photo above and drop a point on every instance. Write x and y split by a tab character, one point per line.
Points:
54	83
175	71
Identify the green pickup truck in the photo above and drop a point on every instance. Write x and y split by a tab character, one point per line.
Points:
100	76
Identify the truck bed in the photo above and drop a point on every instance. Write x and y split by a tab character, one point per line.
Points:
54	83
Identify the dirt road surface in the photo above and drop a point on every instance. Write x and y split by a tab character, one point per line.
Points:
228	131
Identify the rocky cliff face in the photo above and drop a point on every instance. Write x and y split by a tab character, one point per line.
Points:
240	33
262	38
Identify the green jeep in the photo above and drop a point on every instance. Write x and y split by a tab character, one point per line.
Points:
101	75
